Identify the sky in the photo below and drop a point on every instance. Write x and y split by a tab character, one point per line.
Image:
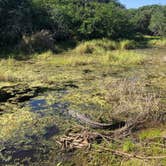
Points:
139	3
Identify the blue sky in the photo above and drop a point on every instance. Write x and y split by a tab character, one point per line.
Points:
138	3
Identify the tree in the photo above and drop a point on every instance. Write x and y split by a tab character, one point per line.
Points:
80	19
142	18
15	19
91	19
158	22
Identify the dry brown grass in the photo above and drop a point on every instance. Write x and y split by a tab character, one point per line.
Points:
129	98
7	78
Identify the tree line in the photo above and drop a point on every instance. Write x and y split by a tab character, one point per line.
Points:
77	19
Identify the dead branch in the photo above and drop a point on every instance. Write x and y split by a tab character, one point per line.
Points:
77	140
128	155
84	138
136	124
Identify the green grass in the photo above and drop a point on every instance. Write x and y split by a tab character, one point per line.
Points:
122	58
150	133
128	146
125	58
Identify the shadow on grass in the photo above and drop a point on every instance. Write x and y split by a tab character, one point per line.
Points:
144	41
14	52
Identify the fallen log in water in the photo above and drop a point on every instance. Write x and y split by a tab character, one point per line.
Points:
96	125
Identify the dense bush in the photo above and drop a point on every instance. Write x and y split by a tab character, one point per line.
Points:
38	42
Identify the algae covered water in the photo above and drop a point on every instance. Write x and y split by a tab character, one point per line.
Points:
31	122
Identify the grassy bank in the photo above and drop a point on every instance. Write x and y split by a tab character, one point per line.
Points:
91	47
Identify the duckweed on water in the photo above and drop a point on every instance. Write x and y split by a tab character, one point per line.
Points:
10	123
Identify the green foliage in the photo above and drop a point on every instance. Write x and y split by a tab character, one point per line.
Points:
65	19
90	19
142	17
158	22
78	20
106	20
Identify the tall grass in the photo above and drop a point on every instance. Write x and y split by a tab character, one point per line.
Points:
69	59
95	46
130	97
122	58
101	45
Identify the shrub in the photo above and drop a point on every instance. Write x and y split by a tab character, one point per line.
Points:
38	42
86	48
44	56
96	46
106	44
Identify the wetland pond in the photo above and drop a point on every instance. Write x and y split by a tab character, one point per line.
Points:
30	128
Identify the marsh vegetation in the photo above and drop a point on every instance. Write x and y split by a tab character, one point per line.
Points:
104	86
82	84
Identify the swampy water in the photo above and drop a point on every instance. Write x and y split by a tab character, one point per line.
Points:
30	128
